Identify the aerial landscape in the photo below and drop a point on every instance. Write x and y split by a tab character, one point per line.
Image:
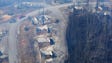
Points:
55	31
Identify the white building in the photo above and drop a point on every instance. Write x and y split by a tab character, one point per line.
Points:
44	19
47	50
42	38
43	27
35	20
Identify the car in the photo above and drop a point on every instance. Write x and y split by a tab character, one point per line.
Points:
22	16
12	21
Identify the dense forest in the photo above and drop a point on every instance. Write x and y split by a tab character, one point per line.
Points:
89	37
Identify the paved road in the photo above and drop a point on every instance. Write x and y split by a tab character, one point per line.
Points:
12	41
12	44
47	8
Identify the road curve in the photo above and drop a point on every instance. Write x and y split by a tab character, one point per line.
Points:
14	29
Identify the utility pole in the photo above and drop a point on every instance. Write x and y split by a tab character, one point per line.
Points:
43	19
97	4
87	3
74	2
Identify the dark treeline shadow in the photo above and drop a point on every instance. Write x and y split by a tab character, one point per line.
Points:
89	38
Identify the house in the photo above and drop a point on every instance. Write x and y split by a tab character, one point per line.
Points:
44	27
2	55
42	38
47	50
48	54
44	19
34	20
